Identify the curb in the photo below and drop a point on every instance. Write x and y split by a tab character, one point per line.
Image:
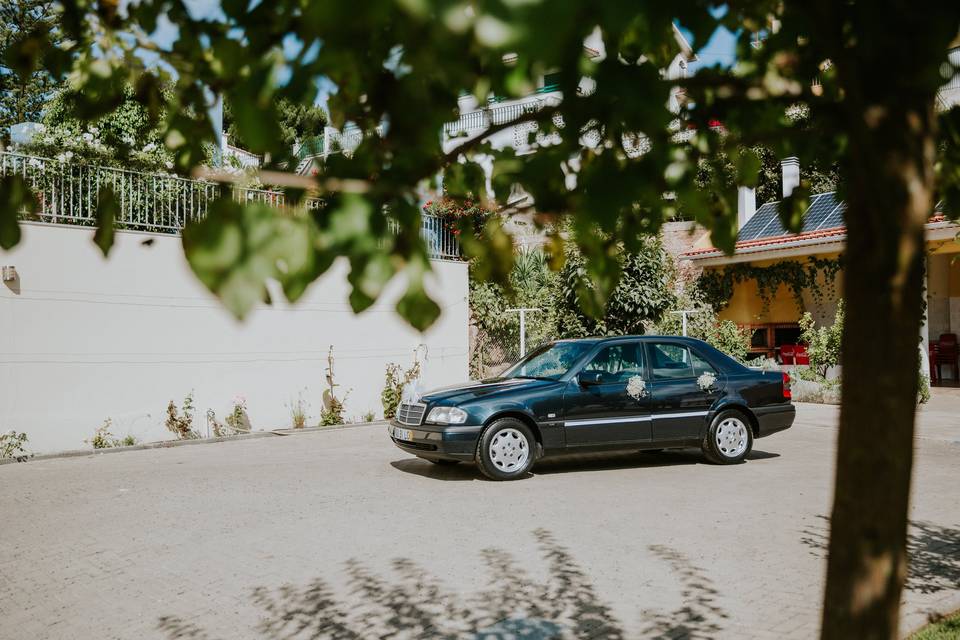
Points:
166	444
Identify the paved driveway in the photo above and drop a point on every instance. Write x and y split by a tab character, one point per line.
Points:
340	535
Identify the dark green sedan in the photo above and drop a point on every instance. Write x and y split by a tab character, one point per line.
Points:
598	394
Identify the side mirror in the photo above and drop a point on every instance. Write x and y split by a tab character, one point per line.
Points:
588	378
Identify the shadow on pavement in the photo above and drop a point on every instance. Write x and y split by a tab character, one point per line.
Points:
509	606
933	554
570	462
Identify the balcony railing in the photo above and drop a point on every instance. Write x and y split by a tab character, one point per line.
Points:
492	116
67	193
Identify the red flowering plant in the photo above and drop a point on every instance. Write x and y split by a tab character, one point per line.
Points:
457	215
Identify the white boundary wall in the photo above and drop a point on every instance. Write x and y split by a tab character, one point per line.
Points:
83	338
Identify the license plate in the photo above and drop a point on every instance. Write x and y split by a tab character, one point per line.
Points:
402	434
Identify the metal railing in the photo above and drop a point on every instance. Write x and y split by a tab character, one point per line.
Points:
492	116
67	193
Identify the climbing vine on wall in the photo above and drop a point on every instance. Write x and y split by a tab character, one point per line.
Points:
818	276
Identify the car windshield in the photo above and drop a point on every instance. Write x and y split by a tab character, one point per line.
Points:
550	361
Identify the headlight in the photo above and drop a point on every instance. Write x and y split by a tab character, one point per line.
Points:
447	415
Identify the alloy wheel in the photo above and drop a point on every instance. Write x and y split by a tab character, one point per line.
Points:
732	437
509	450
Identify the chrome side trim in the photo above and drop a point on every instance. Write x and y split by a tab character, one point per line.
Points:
578	423
687	414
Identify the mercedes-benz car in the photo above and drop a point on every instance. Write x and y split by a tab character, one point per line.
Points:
598	394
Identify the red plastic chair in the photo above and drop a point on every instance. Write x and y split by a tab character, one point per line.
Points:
787	352
801	356
933	353
948	354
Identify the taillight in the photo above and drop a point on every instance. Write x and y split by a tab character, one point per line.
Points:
786	386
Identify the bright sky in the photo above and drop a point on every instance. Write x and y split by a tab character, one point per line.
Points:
719	50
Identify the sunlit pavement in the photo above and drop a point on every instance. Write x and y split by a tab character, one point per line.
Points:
340	535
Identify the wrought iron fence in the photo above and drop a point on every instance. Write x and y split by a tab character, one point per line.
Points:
67	193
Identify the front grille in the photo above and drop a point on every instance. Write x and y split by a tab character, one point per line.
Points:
411	414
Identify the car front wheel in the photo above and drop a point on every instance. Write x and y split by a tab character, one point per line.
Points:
505	450
729	438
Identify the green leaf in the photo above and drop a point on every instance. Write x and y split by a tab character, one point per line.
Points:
237	247
417	308
748	168
15	200
107	210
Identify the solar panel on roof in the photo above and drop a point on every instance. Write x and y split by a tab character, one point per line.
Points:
773	229
824	212
757	222
820	208
835	219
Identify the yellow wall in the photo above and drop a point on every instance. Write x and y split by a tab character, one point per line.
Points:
746	307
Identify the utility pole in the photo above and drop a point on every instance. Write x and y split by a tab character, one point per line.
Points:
523	327
683	315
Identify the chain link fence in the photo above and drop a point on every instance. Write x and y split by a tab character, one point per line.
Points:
493	352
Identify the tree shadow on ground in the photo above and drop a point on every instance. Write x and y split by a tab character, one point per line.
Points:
512	605
933	554
700	615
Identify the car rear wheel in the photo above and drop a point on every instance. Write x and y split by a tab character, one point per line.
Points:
505	450
729	438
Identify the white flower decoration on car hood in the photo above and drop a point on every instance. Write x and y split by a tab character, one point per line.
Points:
636	387
706	380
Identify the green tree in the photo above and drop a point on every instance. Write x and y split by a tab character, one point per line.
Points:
769	184
126	137
640	298
614	155
823	343
297	122
23	97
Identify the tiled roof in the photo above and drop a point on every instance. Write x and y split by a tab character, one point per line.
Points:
822	223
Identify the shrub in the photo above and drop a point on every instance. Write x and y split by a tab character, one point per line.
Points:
238	420
103	438
12	446
394	381
923	389
235	423
332	412
823	343
369	416
298	411
180	423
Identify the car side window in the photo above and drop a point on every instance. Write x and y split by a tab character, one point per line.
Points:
670	361
618	362
700	365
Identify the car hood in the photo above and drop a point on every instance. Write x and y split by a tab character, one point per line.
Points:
469	390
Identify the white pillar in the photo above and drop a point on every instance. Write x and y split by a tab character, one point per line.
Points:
925	323
746	205
790	167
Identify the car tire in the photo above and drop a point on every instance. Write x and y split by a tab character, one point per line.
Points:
729	438
506	450
443	462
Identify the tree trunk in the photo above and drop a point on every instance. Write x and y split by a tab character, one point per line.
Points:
890	189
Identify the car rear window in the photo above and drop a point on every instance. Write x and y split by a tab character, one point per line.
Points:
670	361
